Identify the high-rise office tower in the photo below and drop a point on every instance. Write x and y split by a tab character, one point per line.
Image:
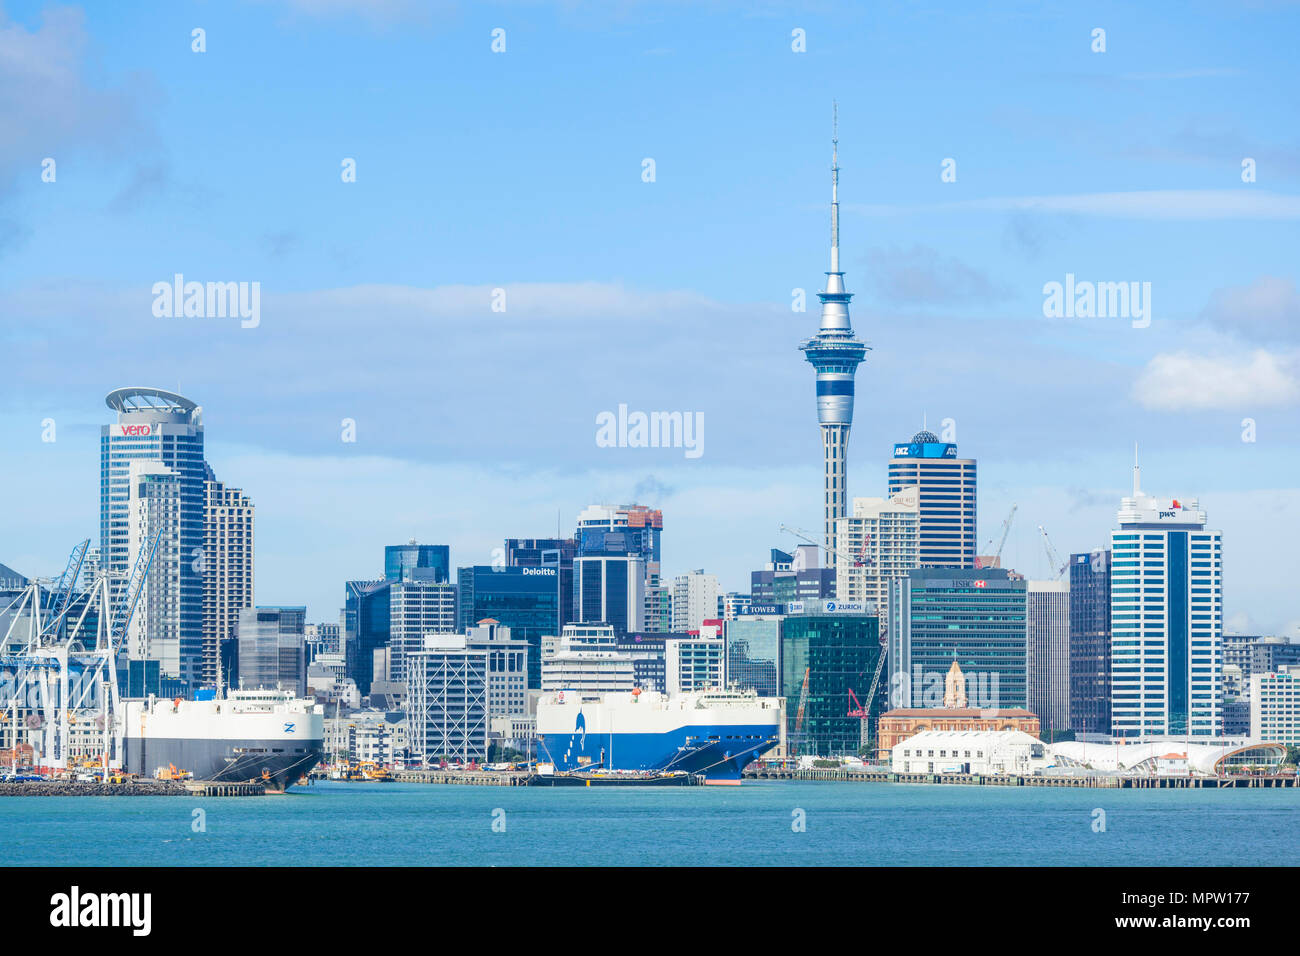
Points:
547	553
272	648
695	600
973	617
754	651
835	353
447	699
831	652
610	589
882	540
658	608
605	531
507	667
154	510
1166	609
526	600
947	498
154	425
227	567
1090	642
366	618
417	606
417	562
1048	653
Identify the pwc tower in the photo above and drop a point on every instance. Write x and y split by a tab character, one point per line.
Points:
835	353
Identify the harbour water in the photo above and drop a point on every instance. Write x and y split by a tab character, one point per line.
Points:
339	824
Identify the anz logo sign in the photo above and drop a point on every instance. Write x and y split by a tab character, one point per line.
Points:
288	727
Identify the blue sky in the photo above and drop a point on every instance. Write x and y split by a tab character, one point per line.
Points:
523	171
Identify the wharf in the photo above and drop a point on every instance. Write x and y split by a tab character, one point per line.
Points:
473	778
1094	781
212	788
76	788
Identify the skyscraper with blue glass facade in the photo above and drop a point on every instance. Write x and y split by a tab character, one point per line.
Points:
417	562
1166	610
160	427
526	600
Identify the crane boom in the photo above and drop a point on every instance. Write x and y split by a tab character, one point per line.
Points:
798	717
811	539
1053	558
993	558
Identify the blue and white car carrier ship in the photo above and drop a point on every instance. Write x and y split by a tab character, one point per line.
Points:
712	732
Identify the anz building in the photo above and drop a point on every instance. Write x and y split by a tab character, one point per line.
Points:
947	498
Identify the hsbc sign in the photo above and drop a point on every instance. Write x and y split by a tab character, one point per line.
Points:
132	431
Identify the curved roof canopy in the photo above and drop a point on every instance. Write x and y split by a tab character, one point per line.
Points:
142	399
1143	757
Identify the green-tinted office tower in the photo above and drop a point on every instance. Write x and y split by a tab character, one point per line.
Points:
838	651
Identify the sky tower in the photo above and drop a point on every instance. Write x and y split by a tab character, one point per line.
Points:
835	353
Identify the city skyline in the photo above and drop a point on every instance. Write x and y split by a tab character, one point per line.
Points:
950	295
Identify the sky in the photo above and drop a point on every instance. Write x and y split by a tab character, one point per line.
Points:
503	268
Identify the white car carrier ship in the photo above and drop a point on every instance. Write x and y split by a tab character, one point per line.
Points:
267	736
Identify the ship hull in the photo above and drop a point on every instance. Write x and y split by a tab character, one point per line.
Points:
256	735
717	752
277	763
710	733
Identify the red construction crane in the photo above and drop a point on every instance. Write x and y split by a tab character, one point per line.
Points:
798	717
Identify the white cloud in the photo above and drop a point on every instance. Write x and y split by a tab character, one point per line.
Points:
1180	381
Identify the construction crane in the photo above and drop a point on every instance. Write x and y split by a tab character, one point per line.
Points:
1053	558
812	539
993	559
861	710
798	717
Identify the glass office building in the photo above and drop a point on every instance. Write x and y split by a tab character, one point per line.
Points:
526	600
366	623
272	648
417	562
161	428
1166	611
547	553
1090	642
610	589
754	652
837	652
977	618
